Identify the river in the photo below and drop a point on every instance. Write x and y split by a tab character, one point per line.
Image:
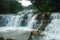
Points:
19	27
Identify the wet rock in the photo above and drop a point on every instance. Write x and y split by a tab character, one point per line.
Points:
1	38
37	32
25	16
42	35
10	39
30	37
23	23
52	39
3	21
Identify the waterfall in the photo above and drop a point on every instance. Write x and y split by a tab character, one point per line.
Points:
26	19
52	31
18	27
32	21
14	20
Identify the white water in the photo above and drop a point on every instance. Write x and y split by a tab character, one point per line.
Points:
14	20
32	21
15	31
13	28
52	31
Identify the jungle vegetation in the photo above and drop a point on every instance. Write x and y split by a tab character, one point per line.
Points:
47	5
10	6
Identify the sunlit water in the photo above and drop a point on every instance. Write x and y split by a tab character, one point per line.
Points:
52	31
18	27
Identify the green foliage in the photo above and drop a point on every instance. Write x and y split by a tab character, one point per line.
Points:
36	12
43	27
29	7
47	5
15	7
10	6
45	22
45	18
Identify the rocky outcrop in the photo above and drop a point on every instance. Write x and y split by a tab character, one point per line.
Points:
10	39
1	38
3	21
45	18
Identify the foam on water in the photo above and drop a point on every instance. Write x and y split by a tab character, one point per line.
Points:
52	31
13	28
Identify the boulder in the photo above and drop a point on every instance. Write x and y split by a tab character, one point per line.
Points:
10	39
1	38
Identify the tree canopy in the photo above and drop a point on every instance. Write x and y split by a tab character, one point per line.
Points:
47	5
11	6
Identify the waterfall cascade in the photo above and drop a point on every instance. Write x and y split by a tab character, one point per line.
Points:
52	31
18	26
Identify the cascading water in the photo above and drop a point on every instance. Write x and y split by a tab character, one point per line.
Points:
52	31
19	26
15	20
32	22
21	20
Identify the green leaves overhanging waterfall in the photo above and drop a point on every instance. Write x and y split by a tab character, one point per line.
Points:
47	5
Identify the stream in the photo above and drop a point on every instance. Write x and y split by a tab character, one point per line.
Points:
19	27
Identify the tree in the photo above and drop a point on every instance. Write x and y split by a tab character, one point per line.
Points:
47	5
11	6
15	7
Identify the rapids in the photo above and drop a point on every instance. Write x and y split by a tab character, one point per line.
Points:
19	27
52	31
